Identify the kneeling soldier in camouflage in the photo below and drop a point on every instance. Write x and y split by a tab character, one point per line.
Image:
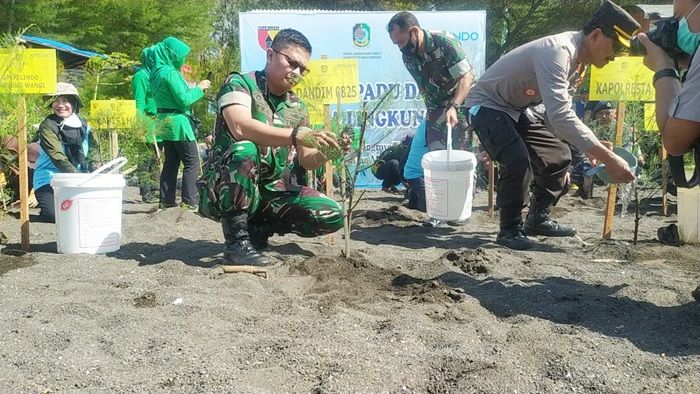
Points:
260	121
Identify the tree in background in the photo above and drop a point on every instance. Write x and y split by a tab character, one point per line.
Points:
128	26
113	25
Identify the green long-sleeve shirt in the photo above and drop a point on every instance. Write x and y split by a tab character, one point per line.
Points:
170	90
52	145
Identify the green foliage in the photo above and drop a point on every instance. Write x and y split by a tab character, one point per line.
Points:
16	14
113	25
108	77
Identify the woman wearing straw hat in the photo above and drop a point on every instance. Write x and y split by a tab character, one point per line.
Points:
66	145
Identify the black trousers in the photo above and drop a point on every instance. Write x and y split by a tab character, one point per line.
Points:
416	193
177	152
388	172
524	150
44	196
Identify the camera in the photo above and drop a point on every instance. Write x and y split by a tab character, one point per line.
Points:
664	35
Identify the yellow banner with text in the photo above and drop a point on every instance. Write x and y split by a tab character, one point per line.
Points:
625	79
112	114
328	80
27	71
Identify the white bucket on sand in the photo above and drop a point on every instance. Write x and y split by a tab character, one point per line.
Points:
449	182
89	209
689	214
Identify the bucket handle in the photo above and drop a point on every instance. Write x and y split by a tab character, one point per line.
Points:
113	165
449	142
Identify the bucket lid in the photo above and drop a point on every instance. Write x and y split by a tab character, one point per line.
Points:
78	180
460	160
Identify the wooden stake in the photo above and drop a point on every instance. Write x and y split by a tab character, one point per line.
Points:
248	269
158	160
492	176
328	167
664	179
113	144
612	188
23	174
311	180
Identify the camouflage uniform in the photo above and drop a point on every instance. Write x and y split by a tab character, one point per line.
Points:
606	132
436	74
242	177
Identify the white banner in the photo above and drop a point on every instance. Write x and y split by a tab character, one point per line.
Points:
363	36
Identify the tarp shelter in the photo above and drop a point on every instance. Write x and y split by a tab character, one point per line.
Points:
70	56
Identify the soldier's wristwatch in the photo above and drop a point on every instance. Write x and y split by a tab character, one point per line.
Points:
453	105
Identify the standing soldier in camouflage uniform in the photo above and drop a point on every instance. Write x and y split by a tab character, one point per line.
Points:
604	124
503	108
260	120
442	72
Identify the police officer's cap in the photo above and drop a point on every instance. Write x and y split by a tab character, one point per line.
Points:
612	17
601	105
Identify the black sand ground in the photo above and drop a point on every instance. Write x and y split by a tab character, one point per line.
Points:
415	309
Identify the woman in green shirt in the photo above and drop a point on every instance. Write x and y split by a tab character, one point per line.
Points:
173	99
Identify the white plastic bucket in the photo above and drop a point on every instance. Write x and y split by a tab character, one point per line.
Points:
449	182
89	209
689	215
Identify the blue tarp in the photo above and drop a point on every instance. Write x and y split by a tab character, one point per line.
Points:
70	55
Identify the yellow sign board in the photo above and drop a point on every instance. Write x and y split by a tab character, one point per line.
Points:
112	114
328	80
650	117
27	70
625	79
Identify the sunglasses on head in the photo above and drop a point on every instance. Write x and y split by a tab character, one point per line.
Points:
303	70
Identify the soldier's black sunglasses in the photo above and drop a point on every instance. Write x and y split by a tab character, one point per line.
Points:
303	70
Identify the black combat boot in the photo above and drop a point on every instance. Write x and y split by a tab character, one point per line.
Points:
539	223
259	232
511	235
239	250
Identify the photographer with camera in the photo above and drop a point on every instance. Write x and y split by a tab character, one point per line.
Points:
677	107
677	101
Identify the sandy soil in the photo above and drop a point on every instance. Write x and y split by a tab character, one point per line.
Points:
416	309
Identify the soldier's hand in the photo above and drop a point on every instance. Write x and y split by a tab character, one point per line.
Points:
314	138
451	116
484	157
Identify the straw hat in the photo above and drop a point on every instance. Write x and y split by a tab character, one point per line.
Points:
66	89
